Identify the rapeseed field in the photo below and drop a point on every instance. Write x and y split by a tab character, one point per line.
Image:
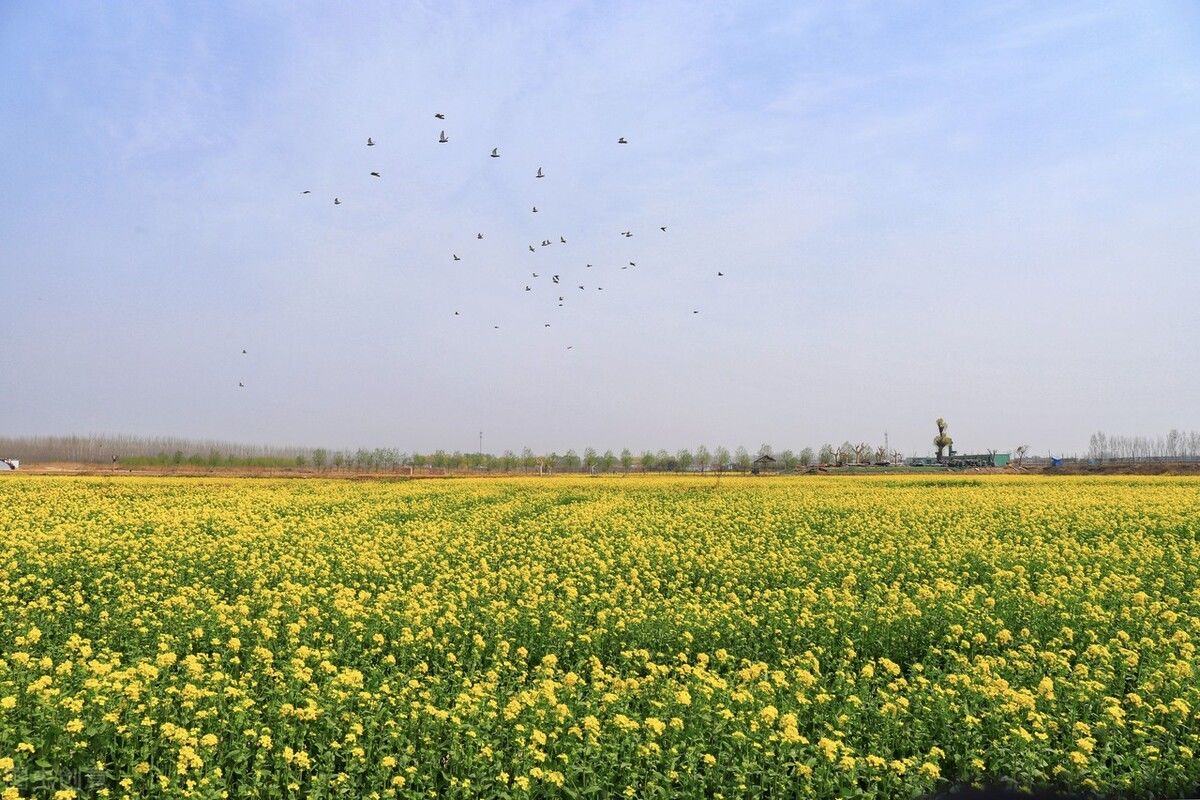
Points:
595	638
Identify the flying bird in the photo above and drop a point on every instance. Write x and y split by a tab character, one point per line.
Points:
479	236
695	312
632	264
555	279
241	385
439	116
547	325
663	228
622	140
535	274
442	139
539	173
570	347
456	258
561	239
374	174
581	288
370	142
589	266
531	249
307	191
337	202
720	274
535	209
495	327
527	288
456	313
243	352
495	152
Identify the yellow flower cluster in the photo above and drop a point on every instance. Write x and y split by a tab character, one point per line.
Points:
614	636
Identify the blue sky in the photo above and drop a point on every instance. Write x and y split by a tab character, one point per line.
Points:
984	211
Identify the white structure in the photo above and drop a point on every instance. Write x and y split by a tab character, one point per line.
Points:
9	463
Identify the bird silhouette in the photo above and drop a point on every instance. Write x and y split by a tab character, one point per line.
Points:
555	279
622	140
720	274
527	288
495	152
442	139
531	249
374	174
570	347
589	266
479	236
695	312
581	289
561	239
539	173
241	385
560	298
663	228
243	352
456	258
370	142
547	325
456	313
535	274
599	288
337	202
632	264
307	191
439	116
495	327
535	209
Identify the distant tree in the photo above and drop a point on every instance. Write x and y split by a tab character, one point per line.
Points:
806	457
570	462
721	458
508	460
528	460
319	457
1020	452
942	440
648	461
787	459
666	461
764	449
742	458
590	459
301	460
827	455
684	459
846	453
607	460
703	458
626	459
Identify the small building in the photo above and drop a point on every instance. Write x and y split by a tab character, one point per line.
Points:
763	463
9	464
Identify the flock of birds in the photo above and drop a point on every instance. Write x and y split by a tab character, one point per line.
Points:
555	279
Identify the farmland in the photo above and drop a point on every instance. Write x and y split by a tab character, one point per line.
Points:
645	636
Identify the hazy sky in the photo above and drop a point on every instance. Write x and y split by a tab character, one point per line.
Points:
985	211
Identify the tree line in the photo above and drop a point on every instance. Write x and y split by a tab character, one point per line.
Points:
1175	445
132	451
